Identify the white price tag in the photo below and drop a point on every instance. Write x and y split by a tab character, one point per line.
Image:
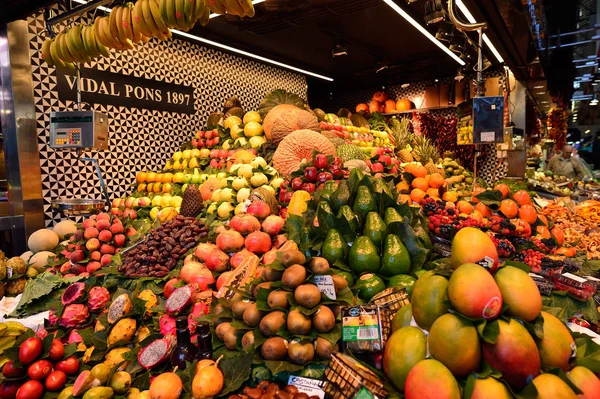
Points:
488	137
574	277
325	284
309	386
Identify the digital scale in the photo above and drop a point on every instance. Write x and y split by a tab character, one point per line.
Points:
78	130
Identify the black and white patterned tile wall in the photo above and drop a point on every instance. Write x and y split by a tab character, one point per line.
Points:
141	139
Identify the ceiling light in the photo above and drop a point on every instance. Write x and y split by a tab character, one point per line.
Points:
445	32
211	16
421	29
486	39
458	43
434	12
588	131
235	50
339	48
538	87
405	85
544	102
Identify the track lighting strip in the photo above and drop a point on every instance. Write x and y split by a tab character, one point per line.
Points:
424	31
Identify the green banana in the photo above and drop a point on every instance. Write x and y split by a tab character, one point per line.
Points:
137	18
180	18
59	63
160	22
190	13
148	19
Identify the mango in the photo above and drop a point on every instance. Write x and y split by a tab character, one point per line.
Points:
471	245
99	393
550	386
428	296
405	348
115	357
519	292
101	372
430	379
557	346
514	354
402	318
455	343
586	381
123	331
66	393
474	293
490	388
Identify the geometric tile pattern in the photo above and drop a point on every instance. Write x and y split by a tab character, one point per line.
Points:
141	139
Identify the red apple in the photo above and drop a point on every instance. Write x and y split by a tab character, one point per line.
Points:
377	167
309	187
321	161
296	183
322	177
310	173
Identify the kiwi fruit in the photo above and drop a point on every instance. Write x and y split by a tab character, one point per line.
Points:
271	323
222	329
292	257
324	349
270	274
298	323
300	353
336	309
318	265
278	299
275	348
339	282
324	319
266	285
235	298
307	295
230	339
293	276
240	307
252	315
248	340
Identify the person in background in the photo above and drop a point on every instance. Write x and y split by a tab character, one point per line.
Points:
564	164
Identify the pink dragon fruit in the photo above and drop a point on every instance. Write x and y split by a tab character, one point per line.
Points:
74	337
74	293
42	333
167	324
74	315
52	318
199	309
99	297
157	351
181	299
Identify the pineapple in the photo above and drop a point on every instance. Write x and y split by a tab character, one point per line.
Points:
401	137
431	167
424	151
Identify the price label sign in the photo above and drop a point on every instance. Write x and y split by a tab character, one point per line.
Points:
488	137
309	386
325	284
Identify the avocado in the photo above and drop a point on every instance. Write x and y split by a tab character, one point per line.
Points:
349	215
340	197
323	209
334	247
396	259
369	285
363	256
364	203
375	229
329	188
391	216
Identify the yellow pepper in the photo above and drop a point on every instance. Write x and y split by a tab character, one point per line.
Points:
298	204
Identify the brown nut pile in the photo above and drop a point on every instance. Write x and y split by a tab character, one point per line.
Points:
162	248
269	390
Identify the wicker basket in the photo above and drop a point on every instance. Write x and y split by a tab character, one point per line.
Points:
346	378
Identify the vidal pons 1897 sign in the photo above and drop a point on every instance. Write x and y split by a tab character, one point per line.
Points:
107	88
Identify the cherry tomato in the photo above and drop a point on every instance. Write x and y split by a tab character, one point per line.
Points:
56	381
8	389
32	389
57	350
39	370
30	350
11	371
69	366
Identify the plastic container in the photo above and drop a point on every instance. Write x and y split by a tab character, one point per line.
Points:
577	286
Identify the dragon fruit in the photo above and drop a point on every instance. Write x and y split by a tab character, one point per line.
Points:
52	318
98	299
74	293
74	315
199	309
167	324
157	352
119	308
181	299
74	337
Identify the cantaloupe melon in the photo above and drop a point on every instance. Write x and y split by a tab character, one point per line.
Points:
283	120
298	147
274	114
42	240
39	261
26	256
65	227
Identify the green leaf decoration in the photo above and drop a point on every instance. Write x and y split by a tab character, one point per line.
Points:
279	366
489	331
236	372
418	254
491	198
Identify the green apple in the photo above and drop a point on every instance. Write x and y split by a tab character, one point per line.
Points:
175	201
268	188
239	183
187	178
245	170
203	178
156	200
221	175
234	168
165	201
259	179
257	141
195	179
216	195
259	161
226	194
239	209
224	210
243	194
276	182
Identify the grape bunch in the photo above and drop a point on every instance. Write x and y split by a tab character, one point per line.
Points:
531	258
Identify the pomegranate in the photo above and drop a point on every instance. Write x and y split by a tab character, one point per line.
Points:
239	257
171	285
269	257
244	224
273	224
259	209
279	240
230	241
217	261
189	270
203	279
258	242
203	249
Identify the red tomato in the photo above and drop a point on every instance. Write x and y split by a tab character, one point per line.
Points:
69	366
8	390
39	370
30	350
56	381
32	389
11	371
57	350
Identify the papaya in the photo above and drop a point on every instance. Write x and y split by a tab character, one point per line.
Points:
490	388
557	347
550	386
430	379
363	256
474	293
519	292
404	349
375	229
428	297
123	331
396	259
586	381
334	247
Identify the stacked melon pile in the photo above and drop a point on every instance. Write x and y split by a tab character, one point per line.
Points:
482	317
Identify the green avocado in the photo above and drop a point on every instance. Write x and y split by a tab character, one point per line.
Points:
375	229
349	215
369	285
340	197
334	247
364	203
329	188
396	259
363	256
391	216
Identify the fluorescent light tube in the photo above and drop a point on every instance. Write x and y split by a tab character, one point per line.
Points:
235	50
424	31
486	39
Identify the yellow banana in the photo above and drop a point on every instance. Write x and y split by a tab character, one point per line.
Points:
234	8
126	25
113	27
69	40
145	39
77	40
170	19
102	49
137	35
180	18
104	30
59	63
137	18
158	20
248	7
7	342
62	48
216	6
90	48
148	18
100	36
190	13
46	56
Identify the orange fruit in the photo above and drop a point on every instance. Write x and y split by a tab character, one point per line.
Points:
420	182
543	232
166	386
141	187
402	198
528	213
409	168
167	177
483	210
150	187
504	189
157	187
476	191
522	197
151	177
563	251
558	234
419	171
403	187
543	219
509	208
464	207
436	180
141	177
476	215
166	188
450	196
417	195
433	192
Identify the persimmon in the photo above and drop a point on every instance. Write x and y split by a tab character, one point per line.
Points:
543	219
483	209
509	208
522	197
504	189
419	171
528	213
558	234
420	182
436	180
403	187
464	207
543	232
